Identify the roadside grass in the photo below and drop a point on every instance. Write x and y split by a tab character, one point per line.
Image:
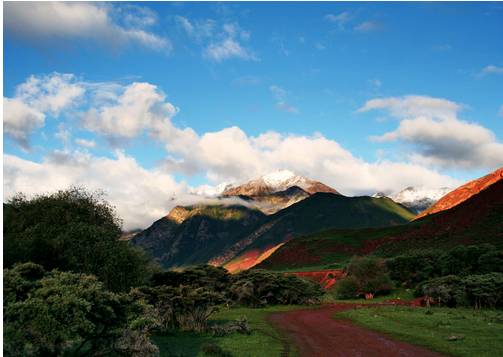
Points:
397	293
475	332
265	340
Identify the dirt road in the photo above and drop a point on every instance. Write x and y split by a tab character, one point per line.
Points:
316	334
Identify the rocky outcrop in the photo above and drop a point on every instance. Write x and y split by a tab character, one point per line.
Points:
463	193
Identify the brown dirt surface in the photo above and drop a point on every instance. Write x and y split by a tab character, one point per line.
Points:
318	335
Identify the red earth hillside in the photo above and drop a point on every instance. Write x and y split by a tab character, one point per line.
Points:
326	278
463	193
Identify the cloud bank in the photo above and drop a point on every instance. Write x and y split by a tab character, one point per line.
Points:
428	127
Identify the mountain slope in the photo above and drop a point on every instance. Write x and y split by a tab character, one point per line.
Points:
318	212
463	193
174	238
476	220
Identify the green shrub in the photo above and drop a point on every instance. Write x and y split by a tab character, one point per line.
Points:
49	313
366	276
238	325
258	288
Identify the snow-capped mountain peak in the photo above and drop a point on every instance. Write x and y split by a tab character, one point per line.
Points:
419	198
209	191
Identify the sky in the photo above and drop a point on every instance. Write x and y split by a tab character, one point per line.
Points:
149	100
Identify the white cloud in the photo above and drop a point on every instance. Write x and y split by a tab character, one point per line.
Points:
369	26
287	108
339	19
374	83
228	47
141	196
42	24
320	46
140	107
279	93
90	144
489	70
436	136
20	120
500	113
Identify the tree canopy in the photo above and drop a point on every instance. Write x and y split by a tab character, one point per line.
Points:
73	230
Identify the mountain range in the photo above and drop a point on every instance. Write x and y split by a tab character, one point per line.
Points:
471	214
259	216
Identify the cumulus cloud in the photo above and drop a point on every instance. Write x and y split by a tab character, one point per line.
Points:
437	137
38	97
141	106
140	196
42	24
490	70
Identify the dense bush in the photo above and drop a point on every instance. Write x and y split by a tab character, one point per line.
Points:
366	276
257	288
73	230
473	290
418	266
413	267
50	313
186	308
202	275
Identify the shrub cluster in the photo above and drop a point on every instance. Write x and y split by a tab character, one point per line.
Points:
366	276
418	266
50	313
472	290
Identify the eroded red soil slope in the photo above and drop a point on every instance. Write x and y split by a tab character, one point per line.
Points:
463	193
326	278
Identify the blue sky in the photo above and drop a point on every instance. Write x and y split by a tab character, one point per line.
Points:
150	99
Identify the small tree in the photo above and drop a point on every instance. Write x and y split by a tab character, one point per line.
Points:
366	276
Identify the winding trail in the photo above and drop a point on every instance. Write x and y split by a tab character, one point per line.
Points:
316	334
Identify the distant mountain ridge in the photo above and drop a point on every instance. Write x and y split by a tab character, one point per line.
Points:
419	198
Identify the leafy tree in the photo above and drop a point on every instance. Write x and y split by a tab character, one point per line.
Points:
182	307
257	287
52	313
73	230
484	289
448	290
366	276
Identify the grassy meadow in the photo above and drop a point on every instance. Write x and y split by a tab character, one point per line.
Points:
265	340
462	332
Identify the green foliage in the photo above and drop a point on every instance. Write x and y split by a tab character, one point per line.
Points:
73	230
210	349
184	307
413	267
258	288
50	313
475	290
476	259
202	275
366	275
